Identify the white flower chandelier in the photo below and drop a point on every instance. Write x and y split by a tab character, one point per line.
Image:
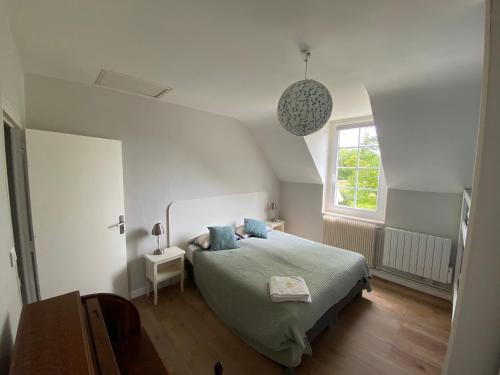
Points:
305	106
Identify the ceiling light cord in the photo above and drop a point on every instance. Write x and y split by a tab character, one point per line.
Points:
307	54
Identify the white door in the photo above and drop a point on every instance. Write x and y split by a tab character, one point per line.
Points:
76	190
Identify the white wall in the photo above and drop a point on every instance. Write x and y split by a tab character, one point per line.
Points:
424	212
474	345
169	152
11	70
12	89
300	207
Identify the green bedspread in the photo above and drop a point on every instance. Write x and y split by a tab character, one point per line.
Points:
235	285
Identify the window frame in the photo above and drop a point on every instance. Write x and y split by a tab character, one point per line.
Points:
329	206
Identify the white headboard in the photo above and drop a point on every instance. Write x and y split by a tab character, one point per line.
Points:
189	218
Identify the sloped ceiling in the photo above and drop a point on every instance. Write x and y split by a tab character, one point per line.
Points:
427	132
235	58
304	159
288	155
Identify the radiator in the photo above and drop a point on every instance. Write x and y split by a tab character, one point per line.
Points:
418	254
351	235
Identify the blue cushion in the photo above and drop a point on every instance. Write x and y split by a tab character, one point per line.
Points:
256	228
222	238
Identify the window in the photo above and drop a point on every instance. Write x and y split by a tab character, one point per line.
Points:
356	185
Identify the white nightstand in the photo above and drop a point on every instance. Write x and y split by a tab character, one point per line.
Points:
277	225
164	267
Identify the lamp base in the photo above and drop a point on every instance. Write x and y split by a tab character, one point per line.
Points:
158	252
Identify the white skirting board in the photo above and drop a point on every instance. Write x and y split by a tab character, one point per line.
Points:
137	293
411	284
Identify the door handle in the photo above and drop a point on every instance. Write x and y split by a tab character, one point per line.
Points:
120	224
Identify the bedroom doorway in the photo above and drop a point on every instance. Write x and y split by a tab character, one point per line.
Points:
15	158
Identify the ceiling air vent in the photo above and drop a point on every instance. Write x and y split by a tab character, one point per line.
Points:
128	83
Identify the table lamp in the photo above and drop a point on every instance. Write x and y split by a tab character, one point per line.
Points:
274	207
157	231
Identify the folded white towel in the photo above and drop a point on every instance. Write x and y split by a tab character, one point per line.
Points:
291	288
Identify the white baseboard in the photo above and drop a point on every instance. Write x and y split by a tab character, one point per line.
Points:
411	284
137	293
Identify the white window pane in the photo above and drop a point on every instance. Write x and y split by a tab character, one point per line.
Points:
348	137
368	136
344	197
368	178
347	157
357	171
369	157
346	177
366	199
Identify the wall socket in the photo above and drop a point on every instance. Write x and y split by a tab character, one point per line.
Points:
13	258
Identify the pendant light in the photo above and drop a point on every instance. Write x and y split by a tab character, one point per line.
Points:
305	106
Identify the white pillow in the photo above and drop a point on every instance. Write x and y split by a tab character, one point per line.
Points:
203	241
240	231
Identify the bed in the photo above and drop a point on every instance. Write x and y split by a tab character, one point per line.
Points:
234	283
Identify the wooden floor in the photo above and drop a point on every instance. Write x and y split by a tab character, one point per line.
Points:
392	330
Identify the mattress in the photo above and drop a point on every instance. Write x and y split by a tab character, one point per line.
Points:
190	251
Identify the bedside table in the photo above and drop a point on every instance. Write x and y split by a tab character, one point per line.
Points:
164	267
277	225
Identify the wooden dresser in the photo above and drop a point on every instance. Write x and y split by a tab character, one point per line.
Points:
95	334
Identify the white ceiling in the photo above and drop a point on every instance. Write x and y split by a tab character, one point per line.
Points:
235	57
